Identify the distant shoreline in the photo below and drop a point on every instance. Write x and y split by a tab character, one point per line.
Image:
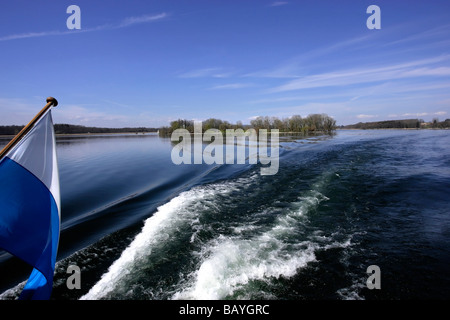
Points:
106	134
399	124
4	136
392	129
156	133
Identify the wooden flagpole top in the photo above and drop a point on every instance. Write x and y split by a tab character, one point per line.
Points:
53	101
50	102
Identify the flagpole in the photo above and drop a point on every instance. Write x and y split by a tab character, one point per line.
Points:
50	102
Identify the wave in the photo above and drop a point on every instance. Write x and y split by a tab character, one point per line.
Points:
160	228
239	267
252	247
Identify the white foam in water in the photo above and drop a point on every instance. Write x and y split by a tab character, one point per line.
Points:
352	292
155	231
13	293
181	210
227	263
230	263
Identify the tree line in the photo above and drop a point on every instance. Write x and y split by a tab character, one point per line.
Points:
78	129
296	124
400	124
436	124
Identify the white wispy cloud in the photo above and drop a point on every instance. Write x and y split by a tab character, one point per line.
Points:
417	114
287	70
412	69
439	33
17	111
295	66
142	19
232	86
366	116
32	35
127	22
387	91
278	3
115	117
206	73
86	116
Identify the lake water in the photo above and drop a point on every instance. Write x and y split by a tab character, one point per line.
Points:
141	227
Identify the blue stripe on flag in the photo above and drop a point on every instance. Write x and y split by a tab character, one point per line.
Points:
29	225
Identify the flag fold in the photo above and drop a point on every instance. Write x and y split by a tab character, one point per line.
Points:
30	205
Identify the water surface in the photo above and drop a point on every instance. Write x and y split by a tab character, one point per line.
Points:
140	227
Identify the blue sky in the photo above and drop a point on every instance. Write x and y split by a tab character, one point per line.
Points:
146	63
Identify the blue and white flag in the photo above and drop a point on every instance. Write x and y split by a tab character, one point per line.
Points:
30	205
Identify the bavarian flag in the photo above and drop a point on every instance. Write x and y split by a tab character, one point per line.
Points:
30	205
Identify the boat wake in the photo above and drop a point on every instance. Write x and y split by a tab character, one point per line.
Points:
231	251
